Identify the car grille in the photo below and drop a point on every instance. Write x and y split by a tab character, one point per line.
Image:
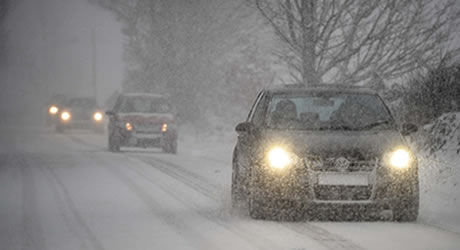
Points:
346	193
147	127
342	164
79	115
331	165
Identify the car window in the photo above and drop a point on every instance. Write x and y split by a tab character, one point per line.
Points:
331	111
82	103
251	112
259	112
144	105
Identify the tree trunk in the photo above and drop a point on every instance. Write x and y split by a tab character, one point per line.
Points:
309	73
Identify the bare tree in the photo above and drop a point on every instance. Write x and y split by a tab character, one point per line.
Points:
191	50
359	41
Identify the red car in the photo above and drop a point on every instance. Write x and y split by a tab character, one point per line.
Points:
142	120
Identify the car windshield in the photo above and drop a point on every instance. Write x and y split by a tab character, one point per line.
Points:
144	104
82	103
331	111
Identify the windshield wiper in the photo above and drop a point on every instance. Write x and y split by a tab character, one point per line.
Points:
374	124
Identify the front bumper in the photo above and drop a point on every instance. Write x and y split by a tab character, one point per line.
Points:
145	139
386	188
82	124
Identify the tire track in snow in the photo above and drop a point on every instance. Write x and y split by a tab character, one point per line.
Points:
327	239
65	202
30	225
261	241
189	234
200	184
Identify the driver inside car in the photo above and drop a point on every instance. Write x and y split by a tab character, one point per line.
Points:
285	114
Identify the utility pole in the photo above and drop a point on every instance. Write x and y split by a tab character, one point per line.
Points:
93	63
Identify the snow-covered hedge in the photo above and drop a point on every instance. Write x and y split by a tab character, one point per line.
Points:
438	150
441	135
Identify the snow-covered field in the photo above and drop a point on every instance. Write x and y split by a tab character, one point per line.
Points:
67	192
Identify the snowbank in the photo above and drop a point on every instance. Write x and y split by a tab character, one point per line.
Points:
438	146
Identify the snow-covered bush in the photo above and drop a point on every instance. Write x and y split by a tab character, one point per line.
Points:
424	98
438	150
442	135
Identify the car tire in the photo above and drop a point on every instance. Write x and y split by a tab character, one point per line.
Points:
238	195
406	210
113	145
256	208
257	202
170	147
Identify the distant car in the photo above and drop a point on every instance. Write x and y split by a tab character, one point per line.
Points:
324	151
142	120
53	106
80	113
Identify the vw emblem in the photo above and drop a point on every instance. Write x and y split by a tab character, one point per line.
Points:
342	163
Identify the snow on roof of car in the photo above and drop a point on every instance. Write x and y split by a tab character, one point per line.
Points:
142	94
296	88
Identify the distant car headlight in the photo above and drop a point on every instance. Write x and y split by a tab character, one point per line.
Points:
279	158
400	158
164	127
128	126
53	110
65	116
97	116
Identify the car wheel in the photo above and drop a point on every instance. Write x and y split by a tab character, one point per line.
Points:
114	146
237	192
256	208
170	147
406	210
258	204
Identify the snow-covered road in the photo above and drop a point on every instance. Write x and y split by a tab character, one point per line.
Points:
67	192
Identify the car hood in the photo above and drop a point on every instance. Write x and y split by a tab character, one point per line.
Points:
79	113
355	144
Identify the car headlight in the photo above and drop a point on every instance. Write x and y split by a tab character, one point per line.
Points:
65	116
97	116
400	158
164	127
128	126
53	110
279	158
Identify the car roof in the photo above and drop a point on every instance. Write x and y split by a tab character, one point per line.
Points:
82	98
300	88
141	94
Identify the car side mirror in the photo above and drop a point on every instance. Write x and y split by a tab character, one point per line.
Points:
110	113
244	127
408	128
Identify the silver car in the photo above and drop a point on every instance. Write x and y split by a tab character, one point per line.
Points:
324	152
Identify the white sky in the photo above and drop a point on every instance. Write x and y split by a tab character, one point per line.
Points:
50	49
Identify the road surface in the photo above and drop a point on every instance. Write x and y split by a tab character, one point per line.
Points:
66	191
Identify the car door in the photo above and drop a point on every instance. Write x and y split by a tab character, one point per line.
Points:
246	142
